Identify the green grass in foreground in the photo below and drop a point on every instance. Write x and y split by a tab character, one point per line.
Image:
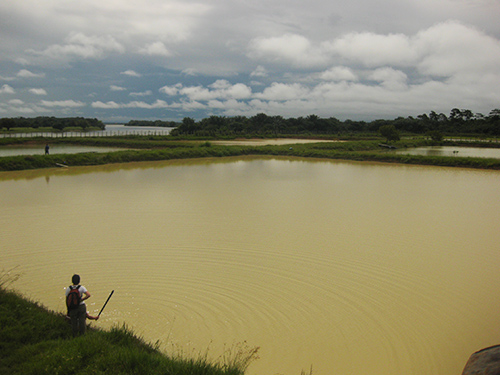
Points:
34	340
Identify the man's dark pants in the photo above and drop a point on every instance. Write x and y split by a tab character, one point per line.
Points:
78	317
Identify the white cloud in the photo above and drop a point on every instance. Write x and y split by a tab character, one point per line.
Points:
290	48
24	110
36	91
190	71
6	89
373	49
107	105
227	106
453	48
446	49
389	78
79	45
169	20
62	103
16	102
339	73
220	84
237	91
220	89
143	93
24	73
156	49
117	88
197	93
158	104
22	61
170	90
282	92
131	73
383	92
192	106
260	71
3	78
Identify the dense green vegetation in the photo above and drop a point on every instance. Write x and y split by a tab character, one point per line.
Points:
458	122
166	148
34	340
51	122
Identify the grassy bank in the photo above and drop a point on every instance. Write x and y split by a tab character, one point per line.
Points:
161	148
34	340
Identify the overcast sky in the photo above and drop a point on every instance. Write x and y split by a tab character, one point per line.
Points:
163	59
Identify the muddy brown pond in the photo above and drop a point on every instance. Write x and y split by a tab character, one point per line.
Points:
353	268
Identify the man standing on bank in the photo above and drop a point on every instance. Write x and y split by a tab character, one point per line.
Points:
76	294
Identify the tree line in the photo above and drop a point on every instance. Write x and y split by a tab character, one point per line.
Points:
51	122
460	121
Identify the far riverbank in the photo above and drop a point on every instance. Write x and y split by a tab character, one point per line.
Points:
151	148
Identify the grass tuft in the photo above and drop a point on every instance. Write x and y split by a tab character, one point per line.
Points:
7	277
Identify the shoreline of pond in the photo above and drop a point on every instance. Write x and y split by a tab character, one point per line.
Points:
159	148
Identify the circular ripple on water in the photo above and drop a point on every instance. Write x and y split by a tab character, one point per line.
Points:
200	295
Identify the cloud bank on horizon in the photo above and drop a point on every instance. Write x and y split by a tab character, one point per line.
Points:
169	59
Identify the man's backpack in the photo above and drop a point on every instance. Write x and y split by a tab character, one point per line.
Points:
73	298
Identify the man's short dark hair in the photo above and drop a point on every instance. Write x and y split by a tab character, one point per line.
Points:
75	279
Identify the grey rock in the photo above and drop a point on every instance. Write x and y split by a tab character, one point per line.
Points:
484	362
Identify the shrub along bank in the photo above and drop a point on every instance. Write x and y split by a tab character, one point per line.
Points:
36	341
157	149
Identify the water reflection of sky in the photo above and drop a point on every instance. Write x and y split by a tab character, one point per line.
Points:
54	149
475	152
124	128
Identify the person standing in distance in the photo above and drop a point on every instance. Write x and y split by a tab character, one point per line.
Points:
78	314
